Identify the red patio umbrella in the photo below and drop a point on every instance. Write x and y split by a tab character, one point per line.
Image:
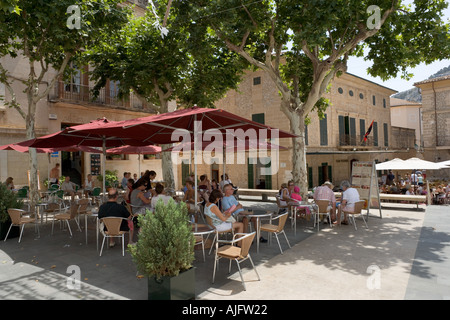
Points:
74	148
159	129
83	135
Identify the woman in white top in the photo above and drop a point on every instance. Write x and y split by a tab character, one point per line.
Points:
218	218
349	197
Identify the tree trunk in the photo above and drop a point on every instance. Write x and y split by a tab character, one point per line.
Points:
299	168
30	130
167	165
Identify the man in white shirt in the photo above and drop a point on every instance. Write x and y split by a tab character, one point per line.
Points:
349	197
160	195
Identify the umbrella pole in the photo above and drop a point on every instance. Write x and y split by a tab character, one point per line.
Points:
195	162
139	163
104	168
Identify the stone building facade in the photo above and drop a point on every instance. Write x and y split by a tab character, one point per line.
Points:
334	142
436	120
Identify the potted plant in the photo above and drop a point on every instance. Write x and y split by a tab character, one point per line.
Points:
8	199
164	252
111	178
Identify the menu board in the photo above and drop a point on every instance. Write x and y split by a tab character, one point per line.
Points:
364	179
95	164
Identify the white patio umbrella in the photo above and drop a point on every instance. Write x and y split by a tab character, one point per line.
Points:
445	164
416	164
394	164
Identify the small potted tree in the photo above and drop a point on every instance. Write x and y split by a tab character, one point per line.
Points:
8	199
164	252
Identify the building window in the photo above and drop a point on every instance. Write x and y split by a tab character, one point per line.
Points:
74	80
340	90
386	135
375	134
323	131
384	103
350	93
373	100
361	96
256	81
258	117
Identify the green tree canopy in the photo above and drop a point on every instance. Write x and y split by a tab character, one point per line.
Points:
303	45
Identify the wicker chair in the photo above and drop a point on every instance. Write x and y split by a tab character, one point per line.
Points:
324	209
358	208
112	225
281	208
217	233
277	229
18	221
72	215
231	252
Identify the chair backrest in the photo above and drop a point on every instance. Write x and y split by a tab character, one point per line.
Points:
246	243
278	201
54	187
130	209
15	215
83	205
22	193
323	205
60	194
73	210
209	221
112	225
358	206
281	221
96	191
52	207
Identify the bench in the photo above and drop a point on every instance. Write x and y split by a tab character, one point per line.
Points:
264	193
404	197
397	197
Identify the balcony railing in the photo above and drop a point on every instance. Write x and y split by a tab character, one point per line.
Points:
81	93
347	140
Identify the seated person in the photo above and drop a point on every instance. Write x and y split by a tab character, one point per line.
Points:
349	197
160	194
69	188
204	183
283	194
88	185
189	195
129	189
218	218
9	183
325	192
138	199
229	201
112	209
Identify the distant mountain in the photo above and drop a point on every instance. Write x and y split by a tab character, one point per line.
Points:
414	94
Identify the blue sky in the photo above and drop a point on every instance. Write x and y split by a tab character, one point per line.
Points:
358	66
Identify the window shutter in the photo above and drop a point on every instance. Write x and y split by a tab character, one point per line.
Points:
323	131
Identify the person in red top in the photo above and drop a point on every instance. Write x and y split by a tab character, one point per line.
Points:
129	188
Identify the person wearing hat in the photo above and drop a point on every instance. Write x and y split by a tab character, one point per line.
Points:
325	192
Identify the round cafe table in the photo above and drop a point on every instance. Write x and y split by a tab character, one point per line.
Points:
249	213
202	230
294	205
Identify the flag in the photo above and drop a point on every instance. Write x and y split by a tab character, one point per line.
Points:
368	131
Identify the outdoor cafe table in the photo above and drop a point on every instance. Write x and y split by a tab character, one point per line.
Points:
250	214
294	205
